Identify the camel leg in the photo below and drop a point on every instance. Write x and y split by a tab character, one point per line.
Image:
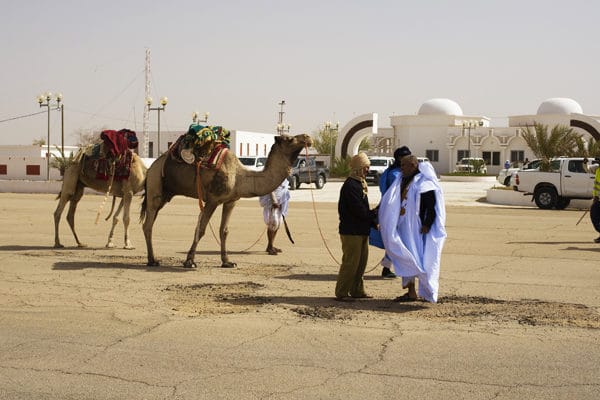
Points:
153	206
110	244
223	232
72	208
127	197
62	202
203	219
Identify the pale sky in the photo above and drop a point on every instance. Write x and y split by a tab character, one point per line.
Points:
329	60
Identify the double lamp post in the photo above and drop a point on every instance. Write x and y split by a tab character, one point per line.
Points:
163	105
45	100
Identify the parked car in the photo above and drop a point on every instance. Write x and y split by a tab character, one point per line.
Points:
306	170
472	165
253	163
378	165
531	165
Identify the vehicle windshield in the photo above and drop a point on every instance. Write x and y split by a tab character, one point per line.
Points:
378	163
248	161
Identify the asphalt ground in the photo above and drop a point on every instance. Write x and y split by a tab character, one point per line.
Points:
518	315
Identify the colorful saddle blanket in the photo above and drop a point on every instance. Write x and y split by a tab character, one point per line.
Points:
115	148
206	145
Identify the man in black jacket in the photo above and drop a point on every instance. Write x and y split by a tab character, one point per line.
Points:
355	221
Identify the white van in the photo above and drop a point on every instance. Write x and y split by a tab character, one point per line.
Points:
253	163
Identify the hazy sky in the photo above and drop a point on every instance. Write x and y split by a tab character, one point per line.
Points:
329	60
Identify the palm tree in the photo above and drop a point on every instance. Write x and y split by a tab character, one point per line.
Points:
61	163
562	141
591	150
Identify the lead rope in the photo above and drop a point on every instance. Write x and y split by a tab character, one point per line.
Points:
201	205
110	183
319	224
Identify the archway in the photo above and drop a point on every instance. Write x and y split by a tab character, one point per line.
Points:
353	132
588	124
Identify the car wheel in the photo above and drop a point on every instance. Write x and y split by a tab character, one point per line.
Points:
293	182
562	203
320	181
545	198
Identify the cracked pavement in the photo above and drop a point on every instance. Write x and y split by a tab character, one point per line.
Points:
518	317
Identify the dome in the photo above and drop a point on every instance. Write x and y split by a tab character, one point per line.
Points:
440	106
559	105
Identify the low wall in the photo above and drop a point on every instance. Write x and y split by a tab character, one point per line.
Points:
23	186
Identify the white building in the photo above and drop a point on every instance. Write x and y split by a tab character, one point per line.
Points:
440	131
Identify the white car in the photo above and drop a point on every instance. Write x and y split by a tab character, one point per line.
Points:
378	165
253	163
467	164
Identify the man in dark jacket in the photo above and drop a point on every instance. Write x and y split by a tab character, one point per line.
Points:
355	221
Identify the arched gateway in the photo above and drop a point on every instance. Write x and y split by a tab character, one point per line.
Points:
353	133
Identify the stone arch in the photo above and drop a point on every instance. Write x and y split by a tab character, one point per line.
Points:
353	132
588	124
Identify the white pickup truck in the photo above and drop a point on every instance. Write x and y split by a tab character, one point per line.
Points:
568	179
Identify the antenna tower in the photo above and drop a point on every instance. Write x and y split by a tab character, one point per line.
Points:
146	106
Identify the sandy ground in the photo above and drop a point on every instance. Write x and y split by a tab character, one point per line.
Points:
518	316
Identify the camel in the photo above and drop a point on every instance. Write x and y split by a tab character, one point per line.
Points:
82	174
225	185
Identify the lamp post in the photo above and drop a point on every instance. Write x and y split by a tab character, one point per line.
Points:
468	125
281	127
45	100
196	119
163	105
329	128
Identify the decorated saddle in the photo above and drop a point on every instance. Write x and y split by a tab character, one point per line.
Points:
115	149
203	145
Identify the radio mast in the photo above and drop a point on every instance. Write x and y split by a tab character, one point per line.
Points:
146	106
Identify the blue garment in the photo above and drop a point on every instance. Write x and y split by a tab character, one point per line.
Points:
388	177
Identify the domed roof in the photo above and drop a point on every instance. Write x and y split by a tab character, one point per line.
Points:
440	106
559	105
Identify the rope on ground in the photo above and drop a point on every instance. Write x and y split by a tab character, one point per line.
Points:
319	224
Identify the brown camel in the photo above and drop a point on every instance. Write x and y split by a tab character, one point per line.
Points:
226	185
82	174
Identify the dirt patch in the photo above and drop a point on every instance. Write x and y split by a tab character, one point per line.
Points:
526	312
227	298
244	297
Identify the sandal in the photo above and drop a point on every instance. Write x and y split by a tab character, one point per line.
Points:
405	298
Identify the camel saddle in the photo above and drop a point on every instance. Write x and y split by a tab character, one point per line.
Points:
112	157
204	145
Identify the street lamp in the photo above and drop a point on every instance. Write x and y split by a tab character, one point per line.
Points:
163	104
281	127
468	125
44	100
330	128
195	118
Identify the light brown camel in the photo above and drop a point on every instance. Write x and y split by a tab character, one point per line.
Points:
82	174
226	185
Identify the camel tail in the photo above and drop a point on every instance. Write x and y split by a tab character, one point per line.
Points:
143	208
112	207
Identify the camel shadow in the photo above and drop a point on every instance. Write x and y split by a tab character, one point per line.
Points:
17	247
595	250
325	307
547	242
79	265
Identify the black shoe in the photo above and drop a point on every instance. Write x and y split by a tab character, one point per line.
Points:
597	240
387	274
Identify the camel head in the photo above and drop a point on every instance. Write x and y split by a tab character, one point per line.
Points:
291	146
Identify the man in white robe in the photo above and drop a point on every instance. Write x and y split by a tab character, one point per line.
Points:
414	248
275	208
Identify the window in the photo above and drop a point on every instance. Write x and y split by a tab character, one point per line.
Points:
3	169
491	157
517	156
151	149
461	154
433	155
576	166
32	169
